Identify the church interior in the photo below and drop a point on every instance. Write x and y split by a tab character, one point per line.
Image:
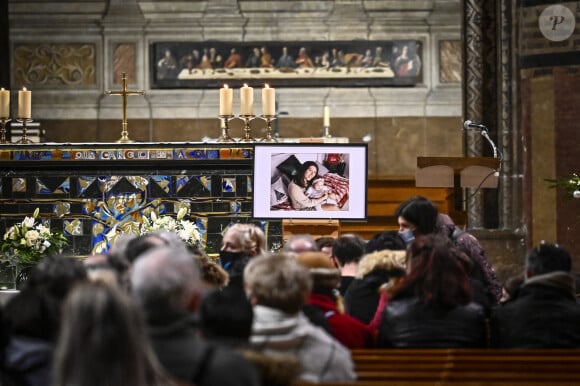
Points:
115	124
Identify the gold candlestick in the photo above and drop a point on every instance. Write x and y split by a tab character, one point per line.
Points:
225	137
124	93
247	128
24	139
3	122
269	137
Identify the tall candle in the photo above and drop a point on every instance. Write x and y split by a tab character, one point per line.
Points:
226	98
24	103
247	100
326	117
4	103
268	100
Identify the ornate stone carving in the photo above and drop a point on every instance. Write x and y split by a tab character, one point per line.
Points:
71	64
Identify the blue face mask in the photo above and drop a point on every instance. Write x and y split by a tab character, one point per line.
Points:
407	236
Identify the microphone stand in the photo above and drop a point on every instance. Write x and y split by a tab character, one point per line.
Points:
485	135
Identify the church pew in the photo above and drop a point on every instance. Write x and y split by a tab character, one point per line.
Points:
476	367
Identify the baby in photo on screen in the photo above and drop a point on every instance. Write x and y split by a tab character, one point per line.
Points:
317	190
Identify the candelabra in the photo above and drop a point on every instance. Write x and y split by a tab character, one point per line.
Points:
269	137
24	138
248	128
3	122
225	137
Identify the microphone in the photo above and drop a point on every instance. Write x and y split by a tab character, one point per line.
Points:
471	125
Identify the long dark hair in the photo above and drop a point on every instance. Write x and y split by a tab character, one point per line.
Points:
436	276
299	177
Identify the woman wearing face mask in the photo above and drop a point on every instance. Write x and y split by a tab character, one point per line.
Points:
240	242
416	217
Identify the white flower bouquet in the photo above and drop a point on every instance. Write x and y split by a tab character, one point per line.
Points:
28	242
186	230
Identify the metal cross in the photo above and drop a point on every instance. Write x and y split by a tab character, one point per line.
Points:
124	93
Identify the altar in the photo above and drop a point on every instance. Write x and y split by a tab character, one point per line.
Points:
87	189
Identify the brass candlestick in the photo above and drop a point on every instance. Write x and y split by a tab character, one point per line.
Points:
269	137
247	128
3	122
24	139
225	137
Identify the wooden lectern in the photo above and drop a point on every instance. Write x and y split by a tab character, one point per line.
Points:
315	228
458	173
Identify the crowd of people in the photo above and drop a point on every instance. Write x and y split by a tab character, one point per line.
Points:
154	311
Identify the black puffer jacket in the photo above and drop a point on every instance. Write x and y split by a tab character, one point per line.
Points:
543	314
408	322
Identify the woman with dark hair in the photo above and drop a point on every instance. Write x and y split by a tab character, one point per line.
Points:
432	305
416	217
307	173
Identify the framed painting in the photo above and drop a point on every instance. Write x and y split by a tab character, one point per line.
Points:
310	181
359	63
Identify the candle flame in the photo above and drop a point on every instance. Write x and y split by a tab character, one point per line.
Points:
225	86
245	85
23	88
2	89
266	85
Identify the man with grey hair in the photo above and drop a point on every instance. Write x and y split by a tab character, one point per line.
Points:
300	243
166	284
278	286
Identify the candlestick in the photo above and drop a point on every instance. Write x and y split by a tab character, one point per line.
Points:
3	122
4	103
225	137
247	128
24	139
24	103
247	101
268	101
269	137
226	98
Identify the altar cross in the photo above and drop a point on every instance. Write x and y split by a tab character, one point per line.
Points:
124	93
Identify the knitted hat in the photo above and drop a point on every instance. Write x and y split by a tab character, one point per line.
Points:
321	267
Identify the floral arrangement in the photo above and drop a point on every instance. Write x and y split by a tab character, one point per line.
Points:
28	242
185	229
570	184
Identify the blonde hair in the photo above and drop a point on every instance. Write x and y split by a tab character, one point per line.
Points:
250	238
278	281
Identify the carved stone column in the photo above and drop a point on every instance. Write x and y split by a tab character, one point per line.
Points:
473	96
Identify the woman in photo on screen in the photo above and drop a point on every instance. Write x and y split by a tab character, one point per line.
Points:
303	180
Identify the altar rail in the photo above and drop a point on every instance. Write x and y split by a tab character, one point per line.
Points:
473	367
384	195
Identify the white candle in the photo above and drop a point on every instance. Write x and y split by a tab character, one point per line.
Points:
247	100
226	98
24	103
268	100
326	117
4	103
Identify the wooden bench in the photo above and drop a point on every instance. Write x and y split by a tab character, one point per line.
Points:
473	367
